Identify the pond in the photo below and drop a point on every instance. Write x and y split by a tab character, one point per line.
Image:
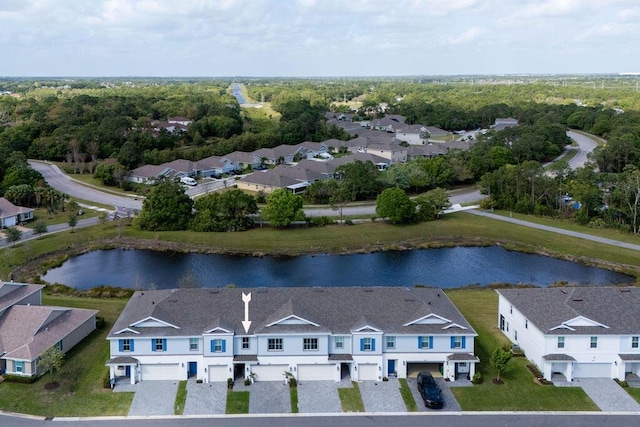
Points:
445	268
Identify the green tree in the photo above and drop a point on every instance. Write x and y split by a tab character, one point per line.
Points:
360	179
12	235
339	198
167	208
50	361
232	210
431	204
395	204
283	207
73	221
500	361
39	228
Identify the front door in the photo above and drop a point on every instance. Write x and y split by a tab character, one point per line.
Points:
391	368
127	370
193	369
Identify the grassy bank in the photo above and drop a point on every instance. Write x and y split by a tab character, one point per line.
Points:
519	392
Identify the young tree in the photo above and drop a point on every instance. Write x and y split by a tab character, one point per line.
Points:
393	203
12	234
73	221
51	361
283	207
500	361
339	198
39	228
432	203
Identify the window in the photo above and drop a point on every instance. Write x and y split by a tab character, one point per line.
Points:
18	366
218	346
125	345
245	343
310	343
560	342
339	342
425	342
510	309
159	344
367	344
59	345
458	342
526	324
275	344
502	323
391	342
634	342
193	344
515	335
594	342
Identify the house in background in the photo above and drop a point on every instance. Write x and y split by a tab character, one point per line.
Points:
314	334
11	215
572	333
503	123
28	328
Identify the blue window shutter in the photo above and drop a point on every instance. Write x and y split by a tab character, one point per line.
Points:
464	342
212	346
153	344
453	342
131	344
419	342
430	342
373	344
120	344
224	346
164	344
361	344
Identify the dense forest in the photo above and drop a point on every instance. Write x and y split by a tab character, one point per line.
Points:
109	127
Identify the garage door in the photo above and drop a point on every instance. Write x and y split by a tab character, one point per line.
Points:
413	369
592	370
367	372
160	372
218	373
316	372
270	372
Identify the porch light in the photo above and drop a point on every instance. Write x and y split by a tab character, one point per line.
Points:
229	369
337	368
205	370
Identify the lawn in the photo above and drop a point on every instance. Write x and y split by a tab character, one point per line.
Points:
293	393
81	392
407	396
181	398
519	392
350	399
237	402
634	392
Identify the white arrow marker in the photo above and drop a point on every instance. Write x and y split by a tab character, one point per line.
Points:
246	323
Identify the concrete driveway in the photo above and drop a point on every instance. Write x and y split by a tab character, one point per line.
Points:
205	399
268	397
450	402
319	397
608	395
382	396
154	398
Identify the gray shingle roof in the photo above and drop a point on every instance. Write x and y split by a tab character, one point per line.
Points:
12	293
548	308
558	358
334	309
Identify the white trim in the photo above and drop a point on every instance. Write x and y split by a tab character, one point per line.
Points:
126	330
218	328
366	329
563	326
138	323
454	325
428	316
293	316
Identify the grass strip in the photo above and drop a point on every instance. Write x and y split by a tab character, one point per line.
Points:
350	398
237	402
181	398
407	396
293	393
634	392
519	392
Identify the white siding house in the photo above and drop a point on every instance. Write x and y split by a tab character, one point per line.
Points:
574	333
310	333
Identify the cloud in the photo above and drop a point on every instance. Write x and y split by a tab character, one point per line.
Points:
465	37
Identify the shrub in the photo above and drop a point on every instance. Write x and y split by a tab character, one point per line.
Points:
100	322
348	222
535	371
106	379
293	383
477	378
229	383
621	383
320	221
247	381
19	378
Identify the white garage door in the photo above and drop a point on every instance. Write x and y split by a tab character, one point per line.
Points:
218	373
270	372
592	370
160	372
367	372
316	372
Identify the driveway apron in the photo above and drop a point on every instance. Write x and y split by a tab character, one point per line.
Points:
154	398
269	397
382	396
450	402
319	397
205	399
608	395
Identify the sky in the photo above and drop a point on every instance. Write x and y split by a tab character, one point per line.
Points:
308	38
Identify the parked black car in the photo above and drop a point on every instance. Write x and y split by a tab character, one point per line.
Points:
429	391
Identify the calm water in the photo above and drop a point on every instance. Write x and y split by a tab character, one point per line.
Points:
446	268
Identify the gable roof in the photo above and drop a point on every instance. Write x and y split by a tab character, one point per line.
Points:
337	310
27	331
12	293
579	310
8	209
